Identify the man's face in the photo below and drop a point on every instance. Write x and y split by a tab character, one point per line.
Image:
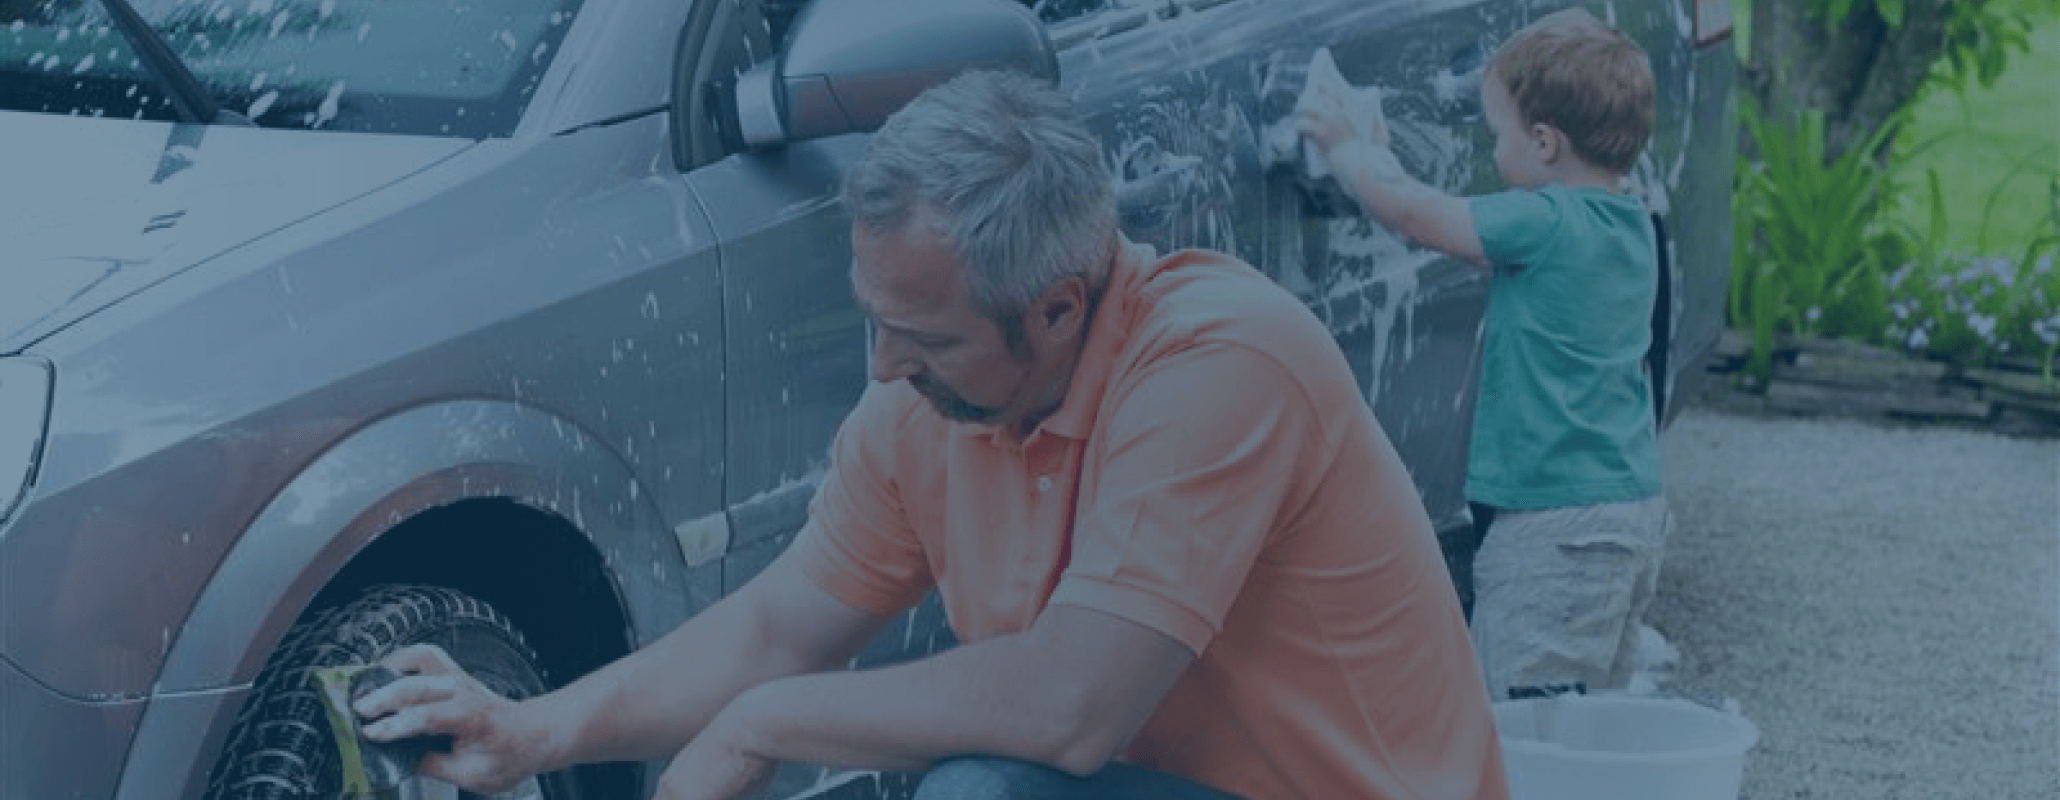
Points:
927	330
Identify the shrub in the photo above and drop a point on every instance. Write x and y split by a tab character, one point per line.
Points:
1812	251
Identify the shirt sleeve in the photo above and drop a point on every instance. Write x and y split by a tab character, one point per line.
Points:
857	544
1199	466
1516	227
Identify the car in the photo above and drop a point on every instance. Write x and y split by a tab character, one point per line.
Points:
328	326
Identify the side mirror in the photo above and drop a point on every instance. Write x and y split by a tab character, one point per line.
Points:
849	64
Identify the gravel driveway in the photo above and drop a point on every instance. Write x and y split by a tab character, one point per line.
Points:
1883	603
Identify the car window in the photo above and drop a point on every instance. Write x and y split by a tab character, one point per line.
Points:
1061	10
433	67
1072	22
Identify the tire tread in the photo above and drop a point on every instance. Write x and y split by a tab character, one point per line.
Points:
264	758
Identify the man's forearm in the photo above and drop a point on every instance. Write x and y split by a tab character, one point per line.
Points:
647	705
984	698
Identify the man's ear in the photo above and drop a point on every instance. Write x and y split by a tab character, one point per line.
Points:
1061	312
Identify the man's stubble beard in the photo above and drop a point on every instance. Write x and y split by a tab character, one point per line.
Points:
949	403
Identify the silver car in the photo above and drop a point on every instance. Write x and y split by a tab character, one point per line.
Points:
522	326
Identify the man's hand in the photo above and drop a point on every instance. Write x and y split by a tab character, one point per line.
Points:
492	748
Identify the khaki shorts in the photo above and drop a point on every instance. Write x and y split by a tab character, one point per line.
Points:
1558	594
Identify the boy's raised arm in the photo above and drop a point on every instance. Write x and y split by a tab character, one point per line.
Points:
1369	171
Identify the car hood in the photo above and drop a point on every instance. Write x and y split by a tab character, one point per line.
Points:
98	209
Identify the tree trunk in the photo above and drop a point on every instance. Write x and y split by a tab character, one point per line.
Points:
1858	73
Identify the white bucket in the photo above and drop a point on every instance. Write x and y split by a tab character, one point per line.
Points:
1607	747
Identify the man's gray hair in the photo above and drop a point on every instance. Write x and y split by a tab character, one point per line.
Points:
1008	174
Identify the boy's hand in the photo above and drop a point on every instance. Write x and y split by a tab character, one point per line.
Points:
1326	115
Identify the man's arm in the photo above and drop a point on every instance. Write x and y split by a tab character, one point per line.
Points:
1069	693
644	706
1183	509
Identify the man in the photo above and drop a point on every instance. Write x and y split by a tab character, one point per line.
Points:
1182	556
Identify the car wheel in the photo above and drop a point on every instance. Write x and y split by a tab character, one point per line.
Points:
281	747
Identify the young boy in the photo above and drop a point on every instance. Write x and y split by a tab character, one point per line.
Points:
1563	453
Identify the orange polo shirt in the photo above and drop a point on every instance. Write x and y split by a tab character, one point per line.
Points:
1222	481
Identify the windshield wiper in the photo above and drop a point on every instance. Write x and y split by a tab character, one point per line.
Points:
188	97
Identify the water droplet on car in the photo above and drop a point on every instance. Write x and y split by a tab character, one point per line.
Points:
262	104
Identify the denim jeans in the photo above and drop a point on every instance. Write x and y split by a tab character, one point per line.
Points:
988	778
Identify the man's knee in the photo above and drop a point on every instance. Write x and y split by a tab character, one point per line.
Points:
989	778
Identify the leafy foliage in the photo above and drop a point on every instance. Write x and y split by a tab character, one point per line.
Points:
1821	251
1811	252
1979	34
1979	37
1974	309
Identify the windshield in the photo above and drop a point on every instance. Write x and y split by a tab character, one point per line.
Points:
435	67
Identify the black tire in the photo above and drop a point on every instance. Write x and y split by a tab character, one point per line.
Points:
281	747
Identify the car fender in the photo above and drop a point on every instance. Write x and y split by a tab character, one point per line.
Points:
366	484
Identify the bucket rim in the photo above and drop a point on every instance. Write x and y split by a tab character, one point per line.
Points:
1748	734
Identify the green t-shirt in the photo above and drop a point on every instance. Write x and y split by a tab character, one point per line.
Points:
1564	416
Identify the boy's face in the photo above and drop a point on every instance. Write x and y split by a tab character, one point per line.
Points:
1522	152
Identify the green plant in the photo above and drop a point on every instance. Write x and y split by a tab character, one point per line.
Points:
1979	36
1972	309
1826	247
1812	253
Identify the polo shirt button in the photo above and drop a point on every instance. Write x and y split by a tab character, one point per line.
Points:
1044	483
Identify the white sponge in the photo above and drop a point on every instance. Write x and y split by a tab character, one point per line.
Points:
1283	140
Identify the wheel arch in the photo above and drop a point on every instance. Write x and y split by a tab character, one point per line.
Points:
485	496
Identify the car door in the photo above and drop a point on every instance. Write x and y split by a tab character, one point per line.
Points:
1189	98
795	363
1427	62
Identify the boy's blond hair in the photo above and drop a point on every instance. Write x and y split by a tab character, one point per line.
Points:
1593	83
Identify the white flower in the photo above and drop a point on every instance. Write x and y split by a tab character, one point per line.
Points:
1918	339
1983	326
1902	312
2047	333
1814	313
